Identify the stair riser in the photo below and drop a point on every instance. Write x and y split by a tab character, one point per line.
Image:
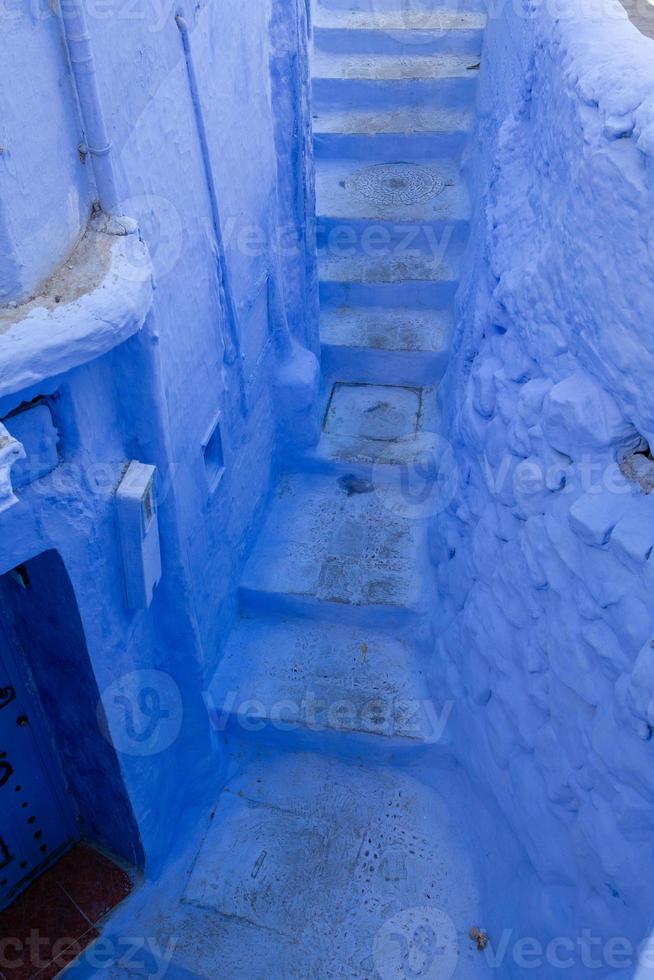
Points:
411	8
344	41
339	744
389	146
455	93
420	295
315	462
412	368
385	239
255	602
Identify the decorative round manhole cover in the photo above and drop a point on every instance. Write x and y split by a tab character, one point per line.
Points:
395	183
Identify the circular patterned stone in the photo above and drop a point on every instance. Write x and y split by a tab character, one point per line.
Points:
395	183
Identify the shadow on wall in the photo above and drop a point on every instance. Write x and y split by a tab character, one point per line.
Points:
38	605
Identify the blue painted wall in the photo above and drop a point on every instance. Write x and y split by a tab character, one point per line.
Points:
44	187
545	618
158	396
546	547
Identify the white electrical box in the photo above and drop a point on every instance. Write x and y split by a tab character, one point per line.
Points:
138	527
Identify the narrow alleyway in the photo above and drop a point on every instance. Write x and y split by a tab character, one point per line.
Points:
316	864
341	857
326	510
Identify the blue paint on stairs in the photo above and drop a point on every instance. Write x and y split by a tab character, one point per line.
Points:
341	844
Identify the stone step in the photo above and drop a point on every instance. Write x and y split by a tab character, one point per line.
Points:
407	133
410	205
420	33
313	867
411	346
429	280
290	682
437	293
384	434
340	551
392	80
391	67
333	266
409	10
395	18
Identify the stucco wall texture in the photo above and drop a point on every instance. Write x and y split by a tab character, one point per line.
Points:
543	621
544	617
159	396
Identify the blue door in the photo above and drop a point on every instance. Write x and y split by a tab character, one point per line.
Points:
36	821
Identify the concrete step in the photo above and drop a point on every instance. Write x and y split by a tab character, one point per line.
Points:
393	280
408	9
348	690
381	434
408	345
438	30
391	207
391	67
406	133
338	551
390	80
312	867
394	17
392	269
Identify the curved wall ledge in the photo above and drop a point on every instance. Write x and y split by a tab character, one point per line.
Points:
97	298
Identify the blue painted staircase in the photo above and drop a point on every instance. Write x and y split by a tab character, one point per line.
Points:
339	848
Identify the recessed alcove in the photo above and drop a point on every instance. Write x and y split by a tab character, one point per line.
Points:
63	779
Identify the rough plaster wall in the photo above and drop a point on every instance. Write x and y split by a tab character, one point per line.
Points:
38	163
545	576
157	142
156	397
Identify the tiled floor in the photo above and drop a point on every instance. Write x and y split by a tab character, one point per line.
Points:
50	924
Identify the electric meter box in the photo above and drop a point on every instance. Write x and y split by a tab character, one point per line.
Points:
138	527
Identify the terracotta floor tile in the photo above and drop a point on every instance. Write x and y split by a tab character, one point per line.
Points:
63	904
40	917
95	883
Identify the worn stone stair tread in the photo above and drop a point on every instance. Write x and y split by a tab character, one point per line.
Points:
360	268
294	674
383	328
380	426
404	120
325	543
344	191
398	6
380	412
432	19
378	455
322	860
393	67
